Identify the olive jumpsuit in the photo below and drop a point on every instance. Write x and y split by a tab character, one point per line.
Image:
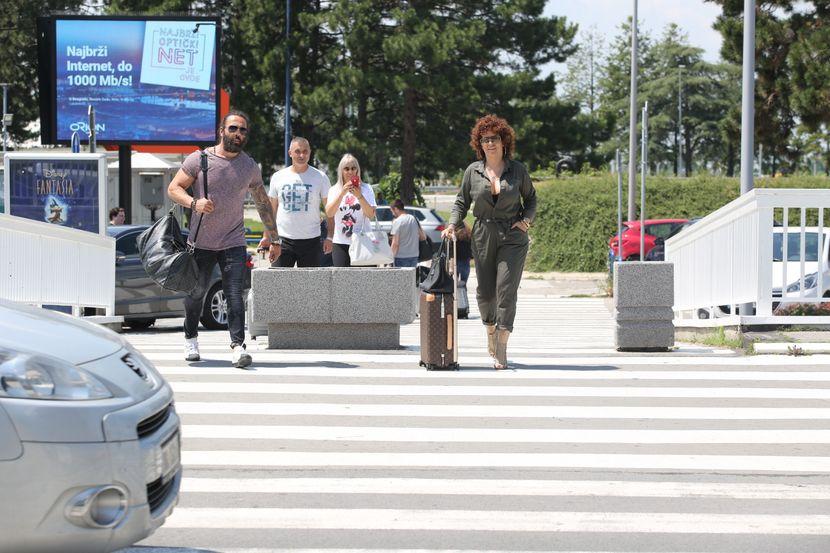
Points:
499	250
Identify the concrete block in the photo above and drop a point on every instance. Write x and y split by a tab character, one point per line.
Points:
334	336
651	313
644	335
295	295
373	295
643	284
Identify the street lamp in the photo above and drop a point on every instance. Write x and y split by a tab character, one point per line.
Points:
287	116
632	120
680	118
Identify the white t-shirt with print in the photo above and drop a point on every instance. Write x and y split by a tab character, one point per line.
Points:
349	214
299	196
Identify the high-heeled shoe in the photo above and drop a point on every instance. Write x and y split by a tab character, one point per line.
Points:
502	336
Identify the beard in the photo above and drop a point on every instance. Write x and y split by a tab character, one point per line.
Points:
230	144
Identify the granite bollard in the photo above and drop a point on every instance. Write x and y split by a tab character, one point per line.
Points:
643	300
333	308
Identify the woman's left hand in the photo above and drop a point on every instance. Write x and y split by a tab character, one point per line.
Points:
521	225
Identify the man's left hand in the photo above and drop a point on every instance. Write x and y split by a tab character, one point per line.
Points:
327	247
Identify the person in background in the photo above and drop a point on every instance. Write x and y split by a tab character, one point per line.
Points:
117	216
351	204
504	204
297	194
406	233
232	174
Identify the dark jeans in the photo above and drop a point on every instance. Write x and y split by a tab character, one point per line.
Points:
302	253
232	266
406	262
340	255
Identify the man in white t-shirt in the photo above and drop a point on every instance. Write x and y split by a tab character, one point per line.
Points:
296	193
406	233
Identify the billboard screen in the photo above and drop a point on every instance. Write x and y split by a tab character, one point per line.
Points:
150	80
60	189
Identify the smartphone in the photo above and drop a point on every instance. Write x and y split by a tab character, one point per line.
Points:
355	181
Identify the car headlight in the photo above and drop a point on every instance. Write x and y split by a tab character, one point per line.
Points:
810	282
31	376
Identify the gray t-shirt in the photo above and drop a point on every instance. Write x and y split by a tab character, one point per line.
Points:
228	182
405	228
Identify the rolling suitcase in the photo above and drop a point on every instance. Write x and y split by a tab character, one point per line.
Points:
439	325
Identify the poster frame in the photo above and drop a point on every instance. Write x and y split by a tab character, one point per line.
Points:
102	181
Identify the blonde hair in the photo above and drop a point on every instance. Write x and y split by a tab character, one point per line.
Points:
343	161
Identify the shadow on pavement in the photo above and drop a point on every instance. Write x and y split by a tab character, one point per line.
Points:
545	367
222	363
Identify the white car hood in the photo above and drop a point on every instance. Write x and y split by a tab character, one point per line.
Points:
56	334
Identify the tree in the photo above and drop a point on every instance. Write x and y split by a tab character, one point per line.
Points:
19	61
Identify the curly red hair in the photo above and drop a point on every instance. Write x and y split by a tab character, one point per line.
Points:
496	124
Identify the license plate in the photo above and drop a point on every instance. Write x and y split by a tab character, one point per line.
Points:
170	456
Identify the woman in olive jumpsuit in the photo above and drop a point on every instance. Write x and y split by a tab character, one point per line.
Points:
504	204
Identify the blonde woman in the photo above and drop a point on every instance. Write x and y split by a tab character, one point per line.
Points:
351	204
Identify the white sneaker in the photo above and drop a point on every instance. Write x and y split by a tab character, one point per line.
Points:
191	349
240	357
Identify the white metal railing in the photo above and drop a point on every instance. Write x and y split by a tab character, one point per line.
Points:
726	259
45	264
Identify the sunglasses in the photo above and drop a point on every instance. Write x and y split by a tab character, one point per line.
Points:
234	128
490	139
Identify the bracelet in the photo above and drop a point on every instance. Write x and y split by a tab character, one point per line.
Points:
193	205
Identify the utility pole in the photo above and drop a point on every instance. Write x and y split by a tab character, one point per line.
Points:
287	117
748	100
632	122
5	110
680	119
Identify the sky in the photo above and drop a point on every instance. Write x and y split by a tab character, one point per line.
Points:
695	17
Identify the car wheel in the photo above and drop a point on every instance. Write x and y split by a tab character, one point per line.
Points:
215	309
633	258
139	324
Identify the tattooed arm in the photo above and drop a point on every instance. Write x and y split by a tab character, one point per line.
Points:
266	213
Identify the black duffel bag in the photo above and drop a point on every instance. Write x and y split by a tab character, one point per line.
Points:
166	255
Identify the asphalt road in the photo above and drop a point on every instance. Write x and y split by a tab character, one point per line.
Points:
578	449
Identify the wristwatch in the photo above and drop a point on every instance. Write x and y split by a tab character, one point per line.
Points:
277	242
526	221
193	205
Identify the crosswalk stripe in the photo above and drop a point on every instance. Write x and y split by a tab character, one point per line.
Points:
763	463
525	374
491	391
493	521
478	486
504	411
506	435
412	359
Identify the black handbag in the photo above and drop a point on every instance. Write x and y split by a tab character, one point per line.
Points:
439	280
166	255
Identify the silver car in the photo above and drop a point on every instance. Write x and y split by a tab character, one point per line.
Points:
89	437
431	222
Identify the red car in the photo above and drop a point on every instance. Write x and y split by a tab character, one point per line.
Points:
655	228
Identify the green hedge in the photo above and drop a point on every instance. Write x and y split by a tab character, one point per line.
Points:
576	216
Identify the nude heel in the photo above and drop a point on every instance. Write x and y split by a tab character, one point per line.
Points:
502	336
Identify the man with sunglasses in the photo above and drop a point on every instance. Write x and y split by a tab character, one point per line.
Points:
221	238
297	192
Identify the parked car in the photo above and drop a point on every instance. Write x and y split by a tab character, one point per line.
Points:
89	436
141	301
655	228
431	222
813	263
658	252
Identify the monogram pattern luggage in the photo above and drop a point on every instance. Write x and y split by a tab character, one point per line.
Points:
439	326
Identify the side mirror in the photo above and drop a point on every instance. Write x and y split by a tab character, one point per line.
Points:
119	257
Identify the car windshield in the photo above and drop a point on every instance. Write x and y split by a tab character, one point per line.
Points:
415	213
794	246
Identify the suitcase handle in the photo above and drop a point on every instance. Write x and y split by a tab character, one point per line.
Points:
449	331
